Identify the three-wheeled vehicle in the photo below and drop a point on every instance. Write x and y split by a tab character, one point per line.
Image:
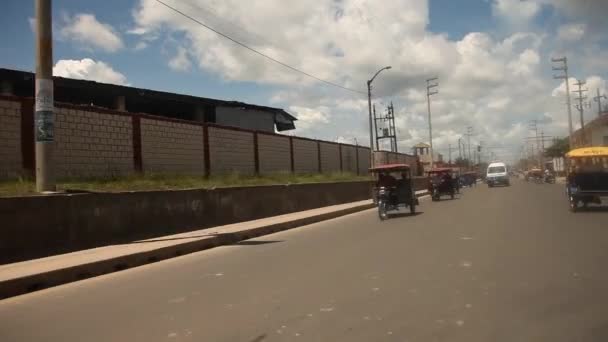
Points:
441	183
394	188
469	179
587	179
535	175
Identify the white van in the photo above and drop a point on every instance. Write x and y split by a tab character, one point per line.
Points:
497	174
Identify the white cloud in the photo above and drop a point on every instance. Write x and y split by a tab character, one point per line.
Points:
309	118
181	61
88	69
494	82
516	12
85	30
571	32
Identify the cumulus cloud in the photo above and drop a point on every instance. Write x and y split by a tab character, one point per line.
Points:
85	30
516	12
181	61
571	32
496	83
308	118
88	69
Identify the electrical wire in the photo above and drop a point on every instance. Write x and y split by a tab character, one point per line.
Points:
258	52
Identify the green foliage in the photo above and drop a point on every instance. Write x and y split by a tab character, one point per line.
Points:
20	187
559	148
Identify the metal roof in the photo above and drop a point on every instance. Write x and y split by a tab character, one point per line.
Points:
23	83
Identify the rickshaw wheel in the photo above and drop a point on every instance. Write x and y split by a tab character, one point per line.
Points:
382	213
573	204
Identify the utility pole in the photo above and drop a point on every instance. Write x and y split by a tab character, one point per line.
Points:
429	93
450	153
376	127
469	134
44	102
369	106
581	107
564	67
598	99
459	149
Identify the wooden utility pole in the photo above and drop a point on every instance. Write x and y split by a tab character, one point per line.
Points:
44	101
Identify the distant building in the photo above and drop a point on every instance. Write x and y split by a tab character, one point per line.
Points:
423	151
139	100
595	133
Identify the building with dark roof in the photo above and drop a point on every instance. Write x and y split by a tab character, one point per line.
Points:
139	100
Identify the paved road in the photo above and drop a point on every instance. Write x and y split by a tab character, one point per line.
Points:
502	264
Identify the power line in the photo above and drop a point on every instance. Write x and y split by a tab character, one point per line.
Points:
258	52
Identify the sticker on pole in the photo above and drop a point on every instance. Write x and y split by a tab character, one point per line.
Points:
44	110
44	126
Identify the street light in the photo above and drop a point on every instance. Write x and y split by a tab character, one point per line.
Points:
369	103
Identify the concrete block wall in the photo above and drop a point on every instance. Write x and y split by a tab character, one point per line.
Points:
88	143
274	153
172	147
364	164
231	151
330	157
10	139
349	159
306	156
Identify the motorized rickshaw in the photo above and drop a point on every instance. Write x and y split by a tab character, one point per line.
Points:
587	179
535	174
441	183
469	179
394	188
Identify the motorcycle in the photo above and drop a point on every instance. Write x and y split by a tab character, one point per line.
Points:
549	179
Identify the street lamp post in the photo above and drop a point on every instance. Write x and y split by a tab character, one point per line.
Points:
371	125
429	93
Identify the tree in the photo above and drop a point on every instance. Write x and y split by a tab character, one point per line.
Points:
559	148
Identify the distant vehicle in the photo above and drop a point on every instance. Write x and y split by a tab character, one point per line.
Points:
441	182
497	174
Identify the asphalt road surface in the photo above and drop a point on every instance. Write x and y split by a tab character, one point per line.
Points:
500	264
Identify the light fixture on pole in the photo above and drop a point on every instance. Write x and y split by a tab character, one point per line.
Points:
371	125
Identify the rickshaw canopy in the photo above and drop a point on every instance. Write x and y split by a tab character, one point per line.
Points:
390	168
440	170
597	151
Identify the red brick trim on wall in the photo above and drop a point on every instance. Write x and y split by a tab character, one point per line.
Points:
137	154
292	161
256	153
340	154
357	159
206	153
319	156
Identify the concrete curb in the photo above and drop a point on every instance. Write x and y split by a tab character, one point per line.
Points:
35	282
39	281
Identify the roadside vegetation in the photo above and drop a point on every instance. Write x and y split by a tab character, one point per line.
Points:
25	187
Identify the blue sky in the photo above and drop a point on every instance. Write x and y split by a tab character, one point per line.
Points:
490	56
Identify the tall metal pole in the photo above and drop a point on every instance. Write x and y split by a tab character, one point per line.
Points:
564	68
369	104
469	133
450	153
44	101
371	124
598	99
581	108
429	93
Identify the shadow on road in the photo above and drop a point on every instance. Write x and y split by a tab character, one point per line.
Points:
255	243
398	215
603	209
